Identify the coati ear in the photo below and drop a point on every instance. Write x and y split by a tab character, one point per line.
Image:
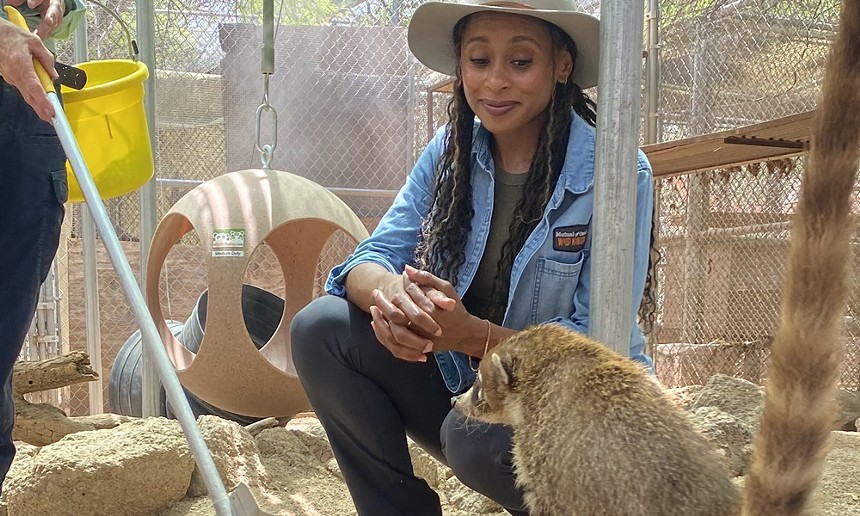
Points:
500	369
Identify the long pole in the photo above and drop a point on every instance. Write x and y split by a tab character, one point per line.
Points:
150	384
610	315
91	278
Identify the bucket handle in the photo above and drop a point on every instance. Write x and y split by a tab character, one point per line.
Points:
132	44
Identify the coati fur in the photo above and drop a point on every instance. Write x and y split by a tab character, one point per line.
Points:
594	435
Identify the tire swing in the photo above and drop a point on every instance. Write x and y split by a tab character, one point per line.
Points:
234	214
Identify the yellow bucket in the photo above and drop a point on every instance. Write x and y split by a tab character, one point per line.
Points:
109	123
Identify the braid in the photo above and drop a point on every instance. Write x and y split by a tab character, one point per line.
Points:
442	243
648	308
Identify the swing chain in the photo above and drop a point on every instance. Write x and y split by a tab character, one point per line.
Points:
266	150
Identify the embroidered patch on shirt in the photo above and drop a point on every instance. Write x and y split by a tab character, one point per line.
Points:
569	238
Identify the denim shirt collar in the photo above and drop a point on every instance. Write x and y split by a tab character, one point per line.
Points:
577	173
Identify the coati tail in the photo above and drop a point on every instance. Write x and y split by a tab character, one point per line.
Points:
807	349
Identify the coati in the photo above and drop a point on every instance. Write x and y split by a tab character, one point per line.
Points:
594	435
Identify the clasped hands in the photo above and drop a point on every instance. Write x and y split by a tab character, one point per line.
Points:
422	313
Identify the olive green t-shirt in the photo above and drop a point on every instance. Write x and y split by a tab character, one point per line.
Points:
507	193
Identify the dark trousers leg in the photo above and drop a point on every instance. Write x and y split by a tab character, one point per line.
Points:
367	400
32	191
480	455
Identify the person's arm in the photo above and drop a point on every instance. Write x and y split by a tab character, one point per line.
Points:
18	48
393	242
51	19
377	264
74	13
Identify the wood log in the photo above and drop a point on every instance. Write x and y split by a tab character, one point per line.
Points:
101	421
52	373
42	423
258	426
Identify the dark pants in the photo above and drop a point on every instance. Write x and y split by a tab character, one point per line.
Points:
32	192
368	401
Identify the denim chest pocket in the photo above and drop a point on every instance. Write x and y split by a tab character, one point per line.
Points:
555	284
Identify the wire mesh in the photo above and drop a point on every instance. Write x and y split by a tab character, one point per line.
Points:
355	110
724	237
728	63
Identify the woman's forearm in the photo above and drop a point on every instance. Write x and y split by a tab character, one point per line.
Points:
363	279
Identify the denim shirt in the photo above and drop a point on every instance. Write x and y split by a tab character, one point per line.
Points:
551	275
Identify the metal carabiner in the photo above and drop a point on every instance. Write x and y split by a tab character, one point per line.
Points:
266	150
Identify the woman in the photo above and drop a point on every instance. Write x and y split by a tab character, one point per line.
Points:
490	234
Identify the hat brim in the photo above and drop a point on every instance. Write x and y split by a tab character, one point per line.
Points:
432	26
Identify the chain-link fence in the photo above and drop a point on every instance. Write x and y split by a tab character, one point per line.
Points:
727	63
355	109
724	237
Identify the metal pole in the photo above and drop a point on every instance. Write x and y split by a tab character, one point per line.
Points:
91	300
618	116
695	253
395	13
91	278
150	384
652	65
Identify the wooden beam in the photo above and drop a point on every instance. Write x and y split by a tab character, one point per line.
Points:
775	139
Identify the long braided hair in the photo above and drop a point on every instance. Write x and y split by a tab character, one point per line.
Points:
445	230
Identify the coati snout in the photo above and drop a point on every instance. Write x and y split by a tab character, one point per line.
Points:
489	404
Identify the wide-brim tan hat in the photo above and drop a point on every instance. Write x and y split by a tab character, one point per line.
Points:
431	31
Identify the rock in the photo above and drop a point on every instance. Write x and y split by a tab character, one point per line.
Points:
311	433
742	399
838	491
332	467
235	454
849	410
21	465
424	465
685	396
730	436
136	468
286	446
466	501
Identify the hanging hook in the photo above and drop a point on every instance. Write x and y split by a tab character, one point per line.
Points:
268	68
266	150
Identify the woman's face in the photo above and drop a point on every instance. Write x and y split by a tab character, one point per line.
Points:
509	71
